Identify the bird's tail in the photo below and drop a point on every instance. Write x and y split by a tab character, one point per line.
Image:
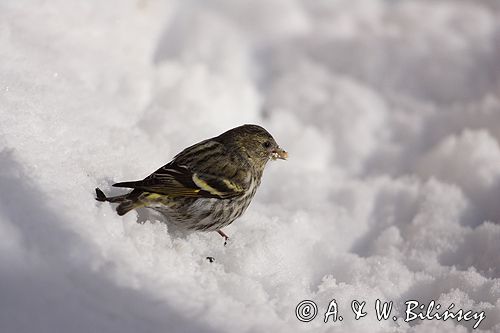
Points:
127	203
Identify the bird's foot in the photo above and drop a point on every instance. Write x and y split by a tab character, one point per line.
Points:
223	235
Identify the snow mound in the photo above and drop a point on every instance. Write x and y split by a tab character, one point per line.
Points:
390	111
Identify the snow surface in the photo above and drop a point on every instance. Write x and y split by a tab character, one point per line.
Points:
390	111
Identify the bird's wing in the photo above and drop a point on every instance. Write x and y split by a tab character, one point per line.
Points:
179	181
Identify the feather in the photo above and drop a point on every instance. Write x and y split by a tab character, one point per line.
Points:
178	181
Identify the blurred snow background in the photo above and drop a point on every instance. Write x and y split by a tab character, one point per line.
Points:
390	111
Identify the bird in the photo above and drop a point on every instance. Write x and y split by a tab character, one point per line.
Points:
206	186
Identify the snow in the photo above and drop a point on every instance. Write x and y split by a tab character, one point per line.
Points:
390	111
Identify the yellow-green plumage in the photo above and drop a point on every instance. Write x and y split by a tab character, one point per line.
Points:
208	185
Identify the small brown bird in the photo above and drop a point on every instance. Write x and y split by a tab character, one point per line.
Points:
208	185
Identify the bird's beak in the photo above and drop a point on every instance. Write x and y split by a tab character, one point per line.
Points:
279	154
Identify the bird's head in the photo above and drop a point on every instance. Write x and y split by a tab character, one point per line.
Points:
255	142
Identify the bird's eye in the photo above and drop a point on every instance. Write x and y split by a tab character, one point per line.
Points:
267	144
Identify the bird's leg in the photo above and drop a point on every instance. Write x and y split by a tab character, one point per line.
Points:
220	232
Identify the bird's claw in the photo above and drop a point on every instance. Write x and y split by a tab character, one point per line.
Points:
223	235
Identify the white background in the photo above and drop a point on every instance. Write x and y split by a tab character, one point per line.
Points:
390	111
